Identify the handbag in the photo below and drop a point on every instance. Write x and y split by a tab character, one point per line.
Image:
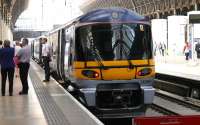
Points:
16	60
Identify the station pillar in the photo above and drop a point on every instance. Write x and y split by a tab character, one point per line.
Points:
5	30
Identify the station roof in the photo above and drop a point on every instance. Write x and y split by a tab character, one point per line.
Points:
146	7
111	14
18	8
11	9
135	5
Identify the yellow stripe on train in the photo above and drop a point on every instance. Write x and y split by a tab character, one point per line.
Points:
80	72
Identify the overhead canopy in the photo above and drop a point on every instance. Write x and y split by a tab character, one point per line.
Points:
146	7
136	5
11	9
18	8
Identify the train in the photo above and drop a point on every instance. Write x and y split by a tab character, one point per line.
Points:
106	56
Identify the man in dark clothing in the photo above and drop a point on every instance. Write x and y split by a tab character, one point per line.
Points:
24	56
7	66
46	54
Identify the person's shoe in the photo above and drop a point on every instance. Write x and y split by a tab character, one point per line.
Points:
45	80
23	93
3	94
10	94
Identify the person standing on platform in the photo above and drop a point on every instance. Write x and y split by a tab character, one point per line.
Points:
24	56
7	67
16	60
186	50
46	55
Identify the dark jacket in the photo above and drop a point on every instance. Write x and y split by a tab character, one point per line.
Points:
6	58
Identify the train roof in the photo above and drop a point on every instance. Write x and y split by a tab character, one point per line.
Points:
104	15
112	15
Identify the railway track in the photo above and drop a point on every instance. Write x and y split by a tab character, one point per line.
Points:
176	99
178	85
185	101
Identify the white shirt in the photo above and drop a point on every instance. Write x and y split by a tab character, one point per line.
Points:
24	54
17	48
46	50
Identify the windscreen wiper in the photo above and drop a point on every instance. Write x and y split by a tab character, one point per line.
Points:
121	42
131	66
98	58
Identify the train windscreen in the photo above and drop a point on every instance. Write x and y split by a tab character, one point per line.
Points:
113	42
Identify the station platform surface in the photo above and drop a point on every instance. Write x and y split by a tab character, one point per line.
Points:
178	66
45	104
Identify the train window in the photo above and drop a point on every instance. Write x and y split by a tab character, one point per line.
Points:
66	58
113	42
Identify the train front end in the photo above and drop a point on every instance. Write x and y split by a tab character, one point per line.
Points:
114	66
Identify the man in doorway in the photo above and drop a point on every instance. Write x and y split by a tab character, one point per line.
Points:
46	54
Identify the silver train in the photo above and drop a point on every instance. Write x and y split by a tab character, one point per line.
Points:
106	56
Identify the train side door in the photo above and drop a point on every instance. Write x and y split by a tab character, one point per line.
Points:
68	57
66	53
54	38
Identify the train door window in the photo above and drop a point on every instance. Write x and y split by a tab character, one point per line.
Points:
67	51
66	57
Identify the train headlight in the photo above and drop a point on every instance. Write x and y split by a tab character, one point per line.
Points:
145	71
90	73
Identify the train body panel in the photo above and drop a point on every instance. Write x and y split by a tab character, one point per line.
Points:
89	87
106	55
118	70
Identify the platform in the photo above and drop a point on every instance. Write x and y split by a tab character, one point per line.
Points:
46	104
177	66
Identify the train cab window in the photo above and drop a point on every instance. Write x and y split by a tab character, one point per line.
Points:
113	41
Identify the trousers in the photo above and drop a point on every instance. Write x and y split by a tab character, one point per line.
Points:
4	73
23	72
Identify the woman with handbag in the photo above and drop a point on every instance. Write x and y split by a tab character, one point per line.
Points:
16	59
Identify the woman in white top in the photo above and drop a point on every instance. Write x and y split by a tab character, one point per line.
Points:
186	50
16	60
